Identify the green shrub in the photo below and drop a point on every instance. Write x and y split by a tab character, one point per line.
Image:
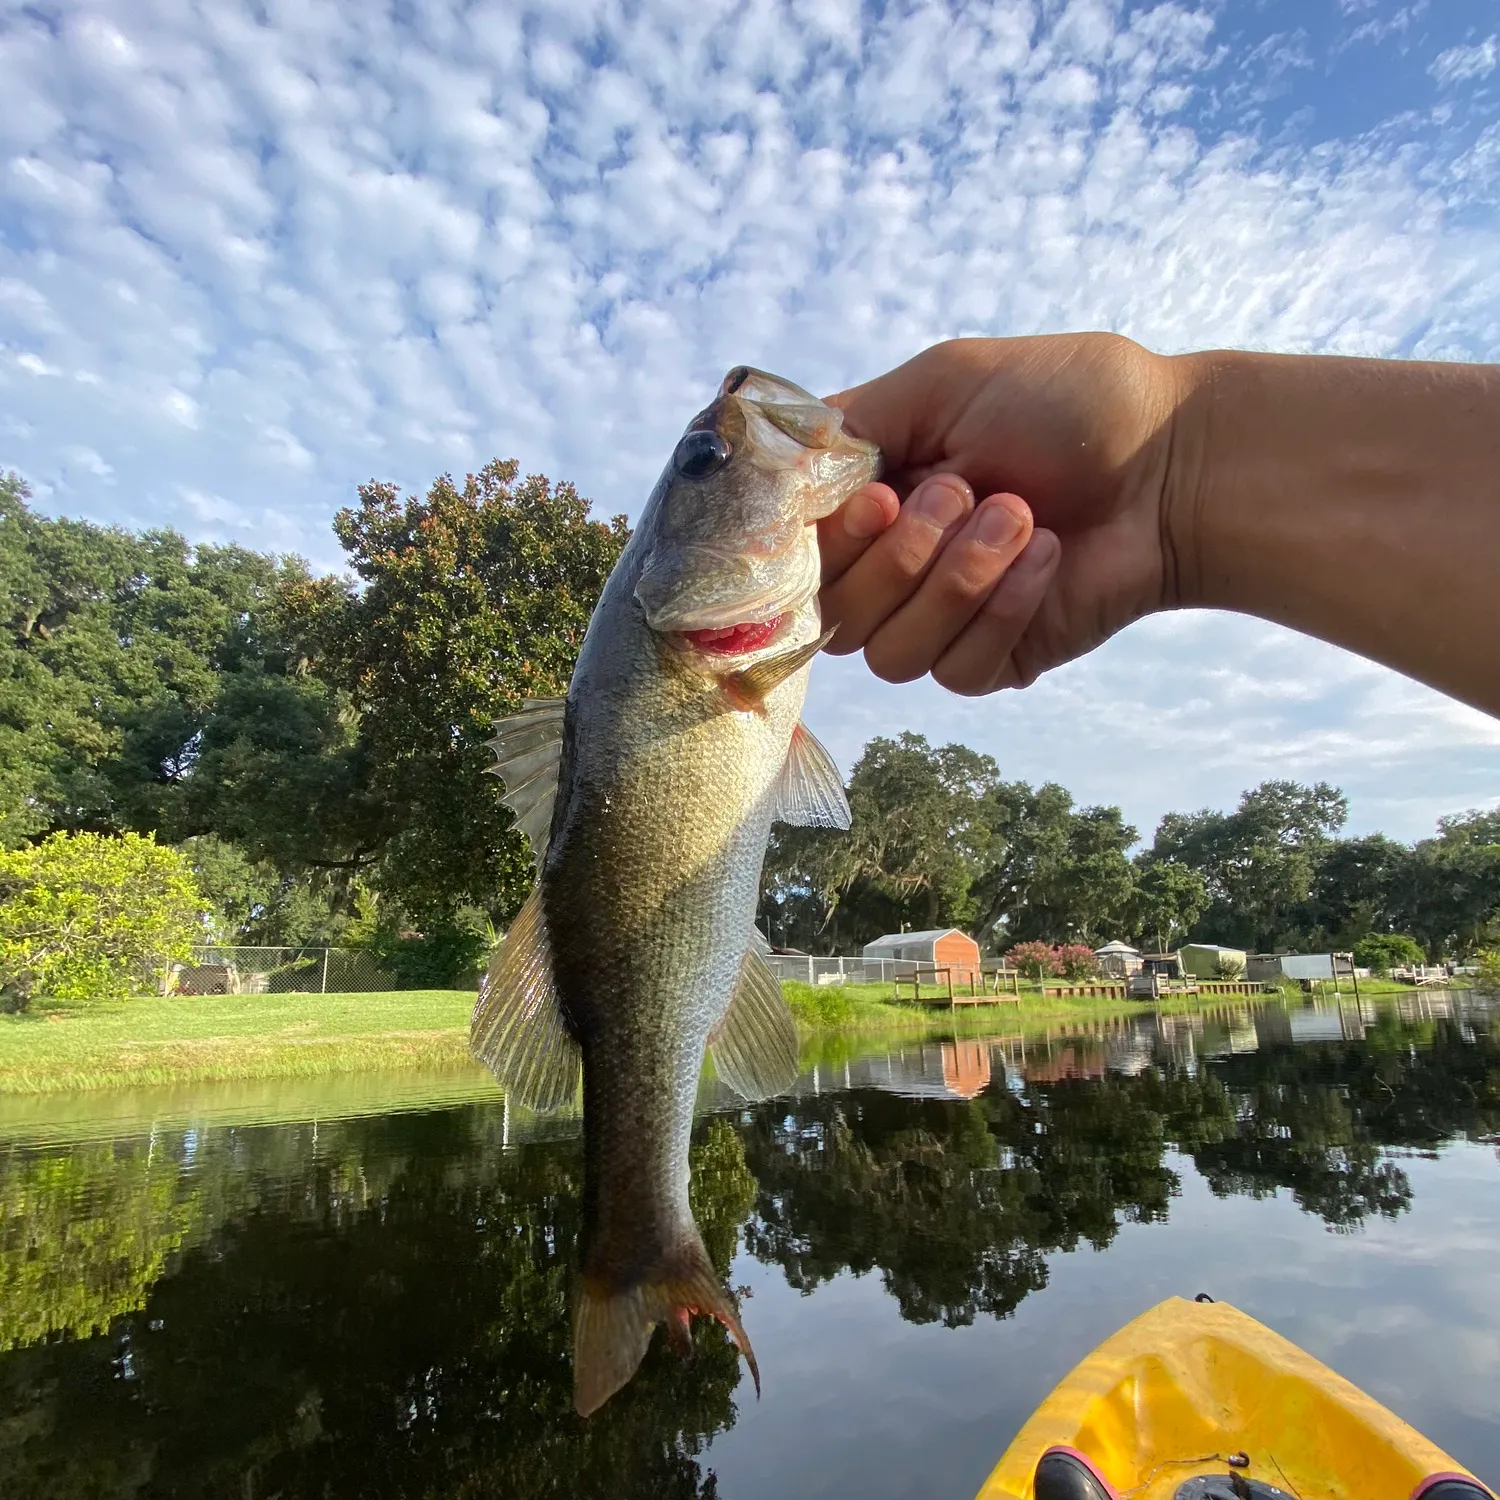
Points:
1229	968
88	916
441	957
1380	952
1488	977
820	1004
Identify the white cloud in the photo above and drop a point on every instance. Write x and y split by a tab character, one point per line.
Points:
1459	64
278	253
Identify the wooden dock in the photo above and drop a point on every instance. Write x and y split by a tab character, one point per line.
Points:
979	986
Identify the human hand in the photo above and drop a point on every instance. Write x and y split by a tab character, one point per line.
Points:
992	595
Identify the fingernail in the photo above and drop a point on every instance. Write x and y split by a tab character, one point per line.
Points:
863	517
1041	551
998	526
941	502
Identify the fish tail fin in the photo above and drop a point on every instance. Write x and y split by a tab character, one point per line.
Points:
612	1327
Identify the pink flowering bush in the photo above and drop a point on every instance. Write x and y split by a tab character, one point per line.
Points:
1035	960
1077	961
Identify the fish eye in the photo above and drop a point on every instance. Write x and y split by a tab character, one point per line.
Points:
701	453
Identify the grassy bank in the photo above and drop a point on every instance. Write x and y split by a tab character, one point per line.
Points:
869	1007
57	1048
154	1040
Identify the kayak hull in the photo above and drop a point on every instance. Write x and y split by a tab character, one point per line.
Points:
1175	1393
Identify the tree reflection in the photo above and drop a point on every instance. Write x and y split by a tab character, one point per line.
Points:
342	1336
381	1306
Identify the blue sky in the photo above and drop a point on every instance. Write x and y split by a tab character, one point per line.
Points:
251	255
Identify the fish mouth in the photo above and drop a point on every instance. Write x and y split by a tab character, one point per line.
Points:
734	640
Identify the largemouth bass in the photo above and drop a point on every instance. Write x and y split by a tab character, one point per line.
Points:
648	795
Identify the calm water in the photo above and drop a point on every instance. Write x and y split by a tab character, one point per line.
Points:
926	1239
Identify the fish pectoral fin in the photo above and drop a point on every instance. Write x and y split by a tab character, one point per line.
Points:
810	791
519	1032
755	1048
528	753
612	1326
748	689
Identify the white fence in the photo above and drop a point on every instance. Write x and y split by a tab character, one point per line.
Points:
278	971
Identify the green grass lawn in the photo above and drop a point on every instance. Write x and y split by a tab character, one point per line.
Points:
152	1039
60	1048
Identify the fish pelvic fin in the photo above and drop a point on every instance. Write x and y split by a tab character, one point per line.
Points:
755	1048
519	1031
748	689
810	791
612	1326
528	754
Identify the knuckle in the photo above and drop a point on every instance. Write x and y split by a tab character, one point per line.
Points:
907	552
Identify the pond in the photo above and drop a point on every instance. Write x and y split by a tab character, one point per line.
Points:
926	1237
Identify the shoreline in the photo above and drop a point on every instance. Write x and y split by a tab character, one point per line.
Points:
165	1041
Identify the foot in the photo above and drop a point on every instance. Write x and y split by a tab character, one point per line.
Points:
1067	1474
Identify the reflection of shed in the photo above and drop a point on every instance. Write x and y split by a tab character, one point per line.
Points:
966	1067
1119	959
1202	960
940	947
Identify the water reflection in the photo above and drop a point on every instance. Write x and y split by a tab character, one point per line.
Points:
379	1305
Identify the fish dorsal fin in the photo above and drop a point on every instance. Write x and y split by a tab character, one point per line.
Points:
748	689
519	1032
528	749
810	791
755	1047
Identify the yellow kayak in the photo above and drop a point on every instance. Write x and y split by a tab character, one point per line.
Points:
1198	1401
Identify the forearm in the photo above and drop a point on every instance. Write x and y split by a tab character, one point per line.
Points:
1355	500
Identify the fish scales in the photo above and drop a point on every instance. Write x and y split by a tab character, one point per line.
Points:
679	743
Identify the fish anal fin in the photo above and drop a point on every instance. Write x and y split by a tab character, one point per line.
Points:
755	1048
747	689
612	1326
528	755
519	1032
810	791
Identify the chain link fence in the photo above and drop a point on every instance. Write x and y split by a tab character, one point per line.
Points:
279	971
809	970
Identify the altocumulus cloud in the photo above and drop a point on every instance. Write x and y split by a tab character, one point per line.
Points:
253	254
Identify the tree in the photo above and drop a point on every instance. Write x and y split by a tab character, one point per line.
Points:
1257	861
1446	891
1351	890
88	916
919	831
120	656
1169	898
473	598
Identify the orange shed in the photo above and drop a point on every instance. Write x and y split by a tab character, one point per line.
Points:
942	947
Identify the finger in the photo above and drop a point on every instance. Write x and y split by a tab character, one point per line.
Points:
909	410
848	532
892	567
911	640
979	661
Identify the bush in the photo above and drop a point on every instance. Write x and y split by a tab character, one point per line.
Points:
1488	977
1229	968
1076	961
1382	951
87	916
1035	960
442	957
820	1005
